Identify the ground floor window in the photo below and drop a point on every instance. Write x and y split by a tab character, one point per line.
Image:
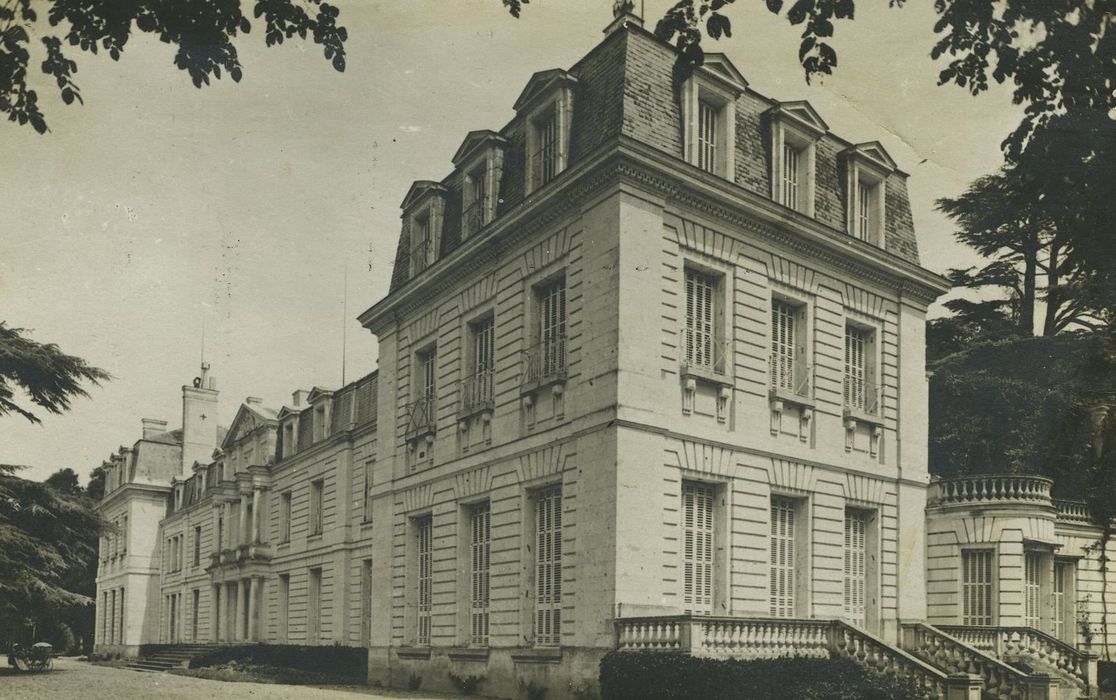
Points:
1032	589
782	569
976	587
424	530
480	542
855	566
697	548
548	567
1063	601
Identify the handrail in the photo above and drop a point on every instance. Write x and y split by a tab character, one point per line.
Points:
981	489
1035	645
476	391
545	361
936	647
786	375
1073	512
421	417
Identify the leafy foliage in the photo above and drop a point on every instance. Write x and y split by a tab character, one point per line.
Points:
50	377
337	661
202	30
48	559
627	675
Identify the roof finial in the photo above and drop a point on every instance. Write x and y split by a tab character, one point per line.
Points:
623	7
623	14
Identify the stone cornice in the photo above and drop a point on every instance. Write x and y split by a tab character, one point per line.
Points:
630	161
132	488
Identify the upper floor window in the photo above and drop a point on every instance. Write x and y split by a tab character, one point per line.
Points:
867	167
861	391
285	517
790	372
476	205
546	358
480	158
477	390
420	243
321	421
709	115
546	106
795	129
317	490
703	336
423	212
288	438
197	545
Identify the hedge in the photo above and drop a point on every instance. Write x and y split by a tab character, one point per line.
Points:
349	662
633	675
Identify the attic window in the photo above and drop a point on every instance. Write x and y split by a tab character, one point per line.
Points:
420	243
423	211
795	129
867	169
709	117
288	439
547	110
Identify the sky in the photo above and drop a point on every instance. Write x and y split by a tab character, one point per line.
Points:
263	216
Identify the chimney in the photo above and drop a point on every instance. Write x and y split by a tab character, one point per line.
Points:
623	13
199	419
152	427
298	397
253	400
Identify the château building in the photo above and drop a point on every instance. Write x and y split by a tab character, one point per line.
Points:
651	376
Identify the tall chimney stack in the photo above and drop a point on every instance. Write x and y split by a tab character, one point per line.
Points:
153	427
199	420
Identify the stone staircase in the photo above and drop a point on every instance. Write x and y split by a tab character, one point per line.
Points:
163	657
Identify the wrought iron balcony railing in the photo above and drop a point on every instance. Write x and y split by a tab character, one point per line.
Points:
861	396
421	418
476	393
788	377
704	352
545	361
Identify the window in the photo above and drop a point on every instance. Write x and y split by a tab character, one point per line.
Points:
285	517
316	489
546	108
475	214
976	587
707	136
479	548
424	538
546	157
856	574
708	101
548	567
1032	589
420	243
124	536
791	183
477	391
782	570
284	605
369	467
220	532
702	346
789	371
1063	601
314	607
795	130
366	603
867	168
321	422
861	392
864	218
422	418
197	545
288	439
547	358
697	549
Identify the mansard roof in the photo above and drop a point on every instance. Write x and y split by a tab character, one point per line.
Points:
418	190
719	65
248	417
539	85
874	152
802	113
474	141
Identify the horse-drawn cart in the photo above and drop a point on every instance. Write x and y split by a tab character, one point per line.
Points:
37	657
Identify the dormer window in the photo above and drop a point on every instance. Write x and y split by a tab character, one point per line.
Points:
546	106
867	169
795	129
423	209
321	421
709	115
288	439
476	198
420	243
481	159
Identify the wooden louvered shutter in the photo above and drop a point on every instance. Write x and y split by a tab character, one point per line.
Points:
782	570
698	548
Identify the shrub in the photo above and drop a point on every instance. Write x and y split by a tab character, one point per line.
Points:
342	662
414	682
1106	676
467	685
529	691
658	676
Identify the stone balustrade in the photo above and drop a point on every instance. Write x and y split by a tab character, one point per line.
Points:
1074	512
1001	681
990	489
768	638
1032	646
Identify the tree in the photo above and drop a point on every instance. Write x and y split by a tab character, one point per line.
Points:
50	377
95	487
65	482
202	30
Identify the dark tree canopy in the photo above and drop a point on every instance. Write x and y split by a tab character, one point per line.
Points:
50	377
202	30
65	481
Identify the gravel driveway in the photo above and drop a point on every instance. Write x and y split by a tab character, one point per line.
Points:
77	679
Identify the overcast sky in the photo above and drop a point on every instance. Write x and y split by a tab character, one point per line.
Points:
157	209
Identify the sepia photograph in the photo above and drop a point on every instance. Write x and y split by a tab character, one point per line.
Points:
558	349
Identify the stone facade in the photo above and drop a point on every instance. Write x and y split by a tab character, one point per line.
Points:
653	351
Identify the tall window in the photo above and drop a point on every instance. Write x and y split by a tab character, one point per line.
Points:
697	549
366	603
856	526
314	607
420	243
861	392
976	587
284	605
1063	602
1032	589
865	201
782	574
288	439
707	136
546	158
285	517
317	487
548	357
424	530
197	545
476	209
369	470
788	348
478	388
548	567
479	548
700	341
792	162
124	535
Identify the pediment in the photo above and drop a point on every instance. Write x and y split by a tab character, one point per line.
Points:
719	66
540	85
802	114
287	411
474	142
420	189
874	153
318	393
248	418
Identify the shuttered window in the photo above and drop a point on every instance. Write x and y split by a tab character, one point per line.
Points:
700	341
791	171
1062	602
548	148
316	489
783	345
424	530
427	375
976	585
782	579
552	327
420	244
864	210
548	567
285	517
707	136
856	378
483	337
856	526
479	549
697	550
1032	589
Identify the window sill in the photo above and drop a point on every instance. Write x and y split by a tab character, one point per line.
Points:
788	396
705	374
413	652
537	655
537	385
861	416
468	654
480	408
